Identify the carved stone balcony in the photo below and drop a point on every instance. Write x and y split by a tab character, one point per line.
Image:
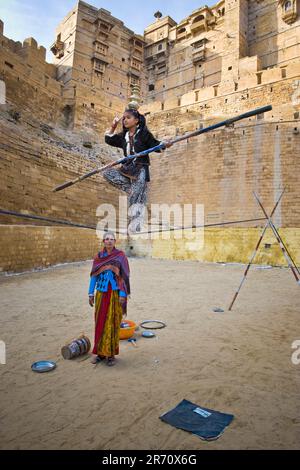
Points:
132	71
100	56
162	68
289	10
99	65
199	54
181	34
203	21
199	26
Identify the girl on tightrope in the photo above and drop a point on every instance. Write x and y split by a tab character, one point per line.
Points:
133	177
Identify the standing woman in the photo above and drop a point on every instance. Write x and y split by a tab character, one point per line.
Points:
110	280
134	176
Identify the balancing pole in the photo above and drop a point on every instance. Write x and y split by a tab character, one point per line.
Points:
161	146
289	261
254	253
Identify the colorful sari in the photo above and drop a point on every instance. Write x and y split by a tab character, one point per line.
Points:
108	311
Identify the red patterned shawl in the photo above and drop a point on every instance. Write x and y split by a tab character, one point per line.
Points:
116	262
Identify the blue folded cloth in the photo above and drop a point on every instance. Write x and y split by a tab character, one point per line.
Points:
205	423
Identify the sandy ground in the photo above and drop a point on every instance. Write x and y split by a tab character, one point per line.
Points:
237	362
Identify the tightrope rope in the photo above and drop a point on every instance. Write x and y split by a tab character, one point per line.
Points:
91	227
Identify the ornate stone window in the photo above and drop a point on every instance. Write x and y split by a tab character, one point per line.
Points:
136	64
100	47
99	66
289	10
134	80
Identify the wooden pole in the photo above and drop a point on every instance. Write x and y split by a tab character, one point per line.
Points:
289	261
254	253
161	146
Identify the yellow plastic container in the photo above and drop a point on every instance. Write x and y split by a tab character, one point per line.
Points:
127	332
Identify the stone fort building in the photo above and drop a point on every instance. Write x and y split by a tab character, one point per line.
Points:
218	62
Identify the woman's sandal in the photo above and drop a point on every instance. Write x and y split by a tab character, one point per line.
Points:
97	359
111	361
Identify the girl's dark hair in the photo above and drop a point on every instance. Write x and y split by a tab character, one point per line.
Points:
137	115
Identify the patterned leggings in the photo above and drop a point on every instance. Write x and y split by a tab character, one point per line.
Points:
137	191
